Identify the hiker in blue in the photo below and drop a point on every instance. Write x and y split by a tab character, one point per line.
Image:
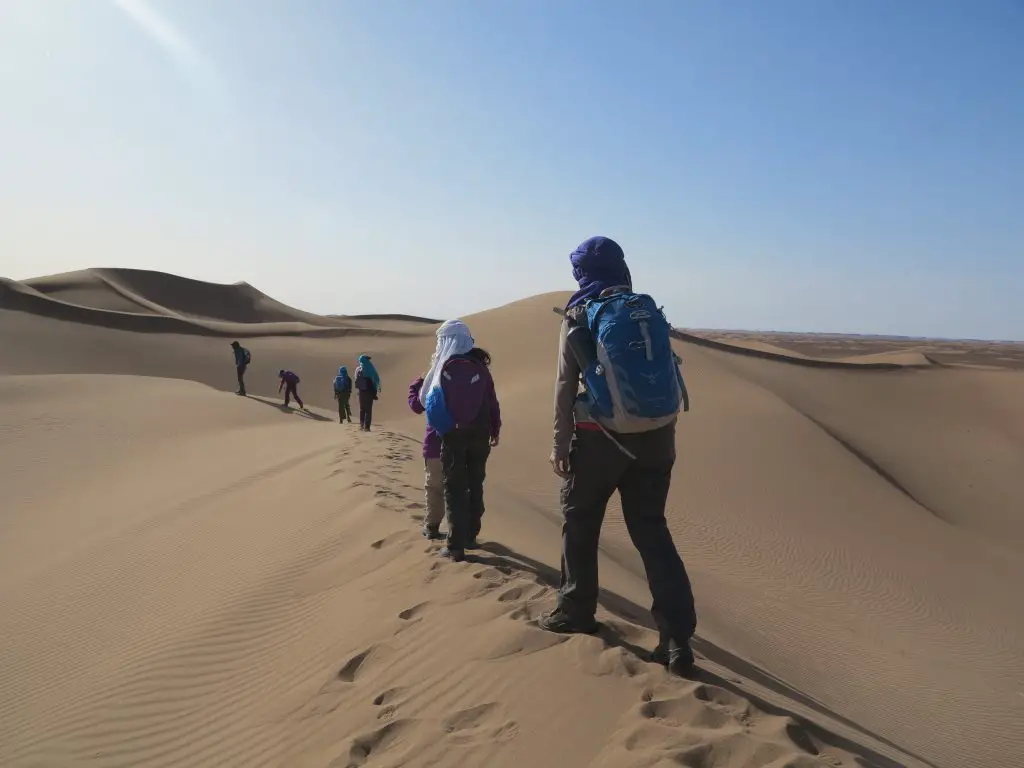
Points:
242	360
343	393
368	384
618	434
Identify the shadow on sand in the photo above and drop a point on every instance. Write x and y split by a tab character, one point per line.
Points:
494	554
287	408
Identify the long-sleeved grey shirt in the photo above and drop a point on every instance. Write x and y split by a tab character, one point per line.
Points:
567	387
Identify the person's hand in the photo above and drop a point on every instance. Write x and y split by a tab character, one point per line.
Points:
494	441
560	465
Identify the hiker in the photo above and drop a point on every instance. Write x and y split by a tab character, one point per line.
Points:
290	384
433	482
343	393
242	360
618	434
368	384
462	408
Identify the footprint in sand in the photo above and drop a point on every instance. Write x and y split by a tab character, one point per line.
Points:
498	574
413	612
377	742
399	537
360	664
484	722
686	711
513	593
387	697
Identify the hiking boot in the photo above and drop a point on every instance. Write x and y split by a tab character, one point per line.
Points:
677	659
563	624
431	532
473	544
455	555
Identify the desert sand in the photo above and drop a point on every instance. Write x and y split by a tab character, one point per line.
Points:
191	578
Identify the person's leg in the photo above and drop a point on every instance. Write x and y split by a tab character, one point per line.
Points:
433	487
295	391
348	406
288	389
365	400
476	469
456	496
596	465
241	379
341	407
644	490
369	412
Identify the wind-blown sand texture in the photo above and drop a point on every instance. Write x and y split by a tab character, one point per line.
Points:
192	578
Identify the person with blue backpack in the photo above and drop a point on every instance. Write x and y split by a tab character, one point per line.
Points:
343	393
618	434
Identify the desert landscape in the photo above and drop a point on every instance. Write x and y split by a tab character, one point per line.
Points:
191	578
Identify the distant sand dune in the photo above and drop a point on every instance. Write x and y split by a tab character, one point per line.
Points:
108	298
193	578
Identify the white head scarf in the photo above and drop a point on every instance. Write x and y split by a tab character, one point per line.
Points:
453	338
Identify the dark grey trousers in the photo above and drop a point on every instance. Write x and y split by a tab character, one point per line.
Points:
366	408
464	455
599	468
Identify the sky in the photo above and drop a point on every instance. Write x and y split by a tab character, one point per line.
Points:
805	165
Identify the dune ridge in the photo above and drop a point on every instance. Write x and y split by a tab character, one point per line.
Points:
196	578
126	300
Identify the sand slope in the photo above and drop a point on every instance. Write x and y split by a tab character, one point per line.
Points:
194	578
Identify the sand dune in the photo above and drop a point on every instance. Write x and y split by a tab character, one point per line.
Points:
154	302
192	578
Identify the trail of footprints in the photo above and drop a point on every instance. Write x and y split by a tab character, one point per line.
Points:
677	722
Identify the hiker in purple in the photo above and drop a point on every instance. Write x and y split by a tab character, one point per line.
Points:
290	384
462	407
618	434
433	483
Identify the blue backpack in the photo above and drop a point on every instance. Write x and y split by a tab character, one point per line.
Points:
633	383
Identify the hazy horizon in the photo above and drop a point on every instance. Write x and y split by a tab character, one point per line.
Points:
800	168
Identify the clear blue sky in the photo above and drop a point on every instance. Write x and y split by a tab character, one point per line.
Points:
828	165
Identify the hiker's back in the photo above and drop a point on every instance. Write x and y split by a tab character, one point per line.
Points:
633	383
467	383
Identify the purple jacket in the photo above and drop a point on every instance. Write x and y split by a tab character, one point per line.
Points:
469	393
431	441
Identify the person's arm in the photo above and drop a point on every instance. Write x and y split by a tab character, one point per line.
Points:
495	408
567	386
414	396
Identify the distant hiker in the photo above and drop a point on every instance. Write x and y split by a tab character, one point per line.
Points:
368	384
618	434
290	384
462	408
343	393
433	483
242	360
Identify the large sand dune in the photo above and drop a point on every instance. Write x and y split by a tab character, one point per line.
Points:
192	578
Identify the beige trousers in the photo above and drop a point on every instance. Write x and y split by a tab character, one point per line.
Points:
433	487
